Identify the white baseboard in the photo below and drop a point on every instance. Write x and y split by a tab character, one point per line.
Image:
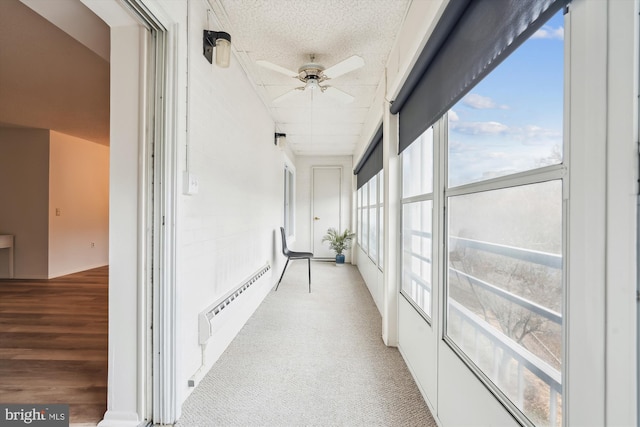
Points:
120	419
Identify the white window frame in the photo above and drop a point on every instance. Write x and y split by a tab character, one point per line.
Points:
364	206
539	175
435	254
379	217
364	243
373	206
359	216
289	203
600	357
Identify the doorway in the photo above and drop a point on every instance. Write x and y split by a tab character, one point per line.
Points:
326	206
54	146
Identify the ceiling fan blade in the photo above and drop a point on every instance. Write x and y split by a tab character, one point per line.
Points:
344	67
337	94
274	67
287	95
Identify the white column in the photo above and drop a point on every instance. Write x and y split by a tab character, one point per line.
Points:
622	189
125	237
584	361
123	228
392	245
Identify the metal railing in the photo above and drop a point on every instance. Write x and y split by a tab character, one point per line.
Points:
535	257
523	357
511	297
422	295
500	343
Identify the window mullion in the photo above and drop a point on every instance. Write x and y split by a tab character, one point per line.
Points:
438	243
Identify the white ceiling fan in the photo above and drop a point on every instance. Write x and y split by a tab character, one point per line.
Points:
312	74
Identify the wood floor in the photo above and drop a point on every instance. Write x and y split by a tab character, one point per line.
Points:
53	343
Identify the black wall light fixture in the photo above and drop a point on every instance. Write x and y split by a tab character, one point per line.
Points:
222	42
280	139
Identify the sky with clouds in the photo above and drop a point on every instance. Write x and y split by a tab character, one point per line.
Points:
512	120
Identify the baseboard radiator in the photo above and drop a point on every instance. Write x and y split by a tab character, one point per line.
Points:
207	317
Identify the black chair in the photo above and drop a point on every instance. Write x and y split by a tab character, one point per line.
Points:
293	255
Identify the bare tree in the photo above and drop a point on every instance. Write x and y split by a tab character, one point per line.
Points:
518	277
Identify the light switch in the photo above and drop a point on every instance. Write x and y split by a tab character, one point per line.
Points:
190	183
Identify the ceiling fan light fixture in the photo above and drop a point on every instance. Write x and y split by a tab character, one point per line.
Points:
312	84
312	74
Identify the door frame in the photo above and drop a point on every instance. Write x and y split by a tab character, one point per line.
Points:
312	225
157	361
151	364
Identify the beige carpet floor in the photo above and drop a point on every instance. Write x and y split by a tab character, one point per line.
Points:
310	360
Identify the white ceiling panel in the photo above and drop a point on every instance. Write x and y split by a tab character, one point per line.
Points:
347	129
325	149
286	33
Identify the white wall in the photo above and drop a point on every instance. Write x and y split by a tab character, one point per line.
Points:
622	213
24	193
304	167
79	192
223	136
41	171
372	276
229	228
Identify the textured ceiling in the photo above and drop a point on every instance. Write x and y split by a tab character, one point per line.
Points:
286	33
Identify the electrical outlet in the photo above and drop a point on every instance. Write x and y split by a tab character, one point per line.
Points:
58	211
92	245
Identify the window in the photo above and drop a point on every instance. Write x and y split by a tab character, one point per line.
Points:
380	260
370	227
373	221
289	192
504	227
417	206
364	241
359	215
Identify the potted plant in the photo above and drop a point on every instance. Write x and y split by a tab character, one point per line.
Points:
339	242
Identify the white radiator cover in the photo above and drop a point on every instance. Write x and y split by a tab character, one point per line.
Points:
209	320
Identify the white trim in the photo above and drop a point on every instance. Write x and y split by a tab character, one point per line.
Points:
120	419
146	252
566	157
155	241
622	190
289	164
289	214
127	240
392	267
159	403
534	176
584	360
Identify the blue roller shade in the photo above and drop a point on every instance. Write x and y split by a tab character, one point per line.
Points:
371	162
470	40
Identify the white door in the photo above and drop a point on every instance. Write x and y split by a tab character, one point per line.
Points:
325	207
